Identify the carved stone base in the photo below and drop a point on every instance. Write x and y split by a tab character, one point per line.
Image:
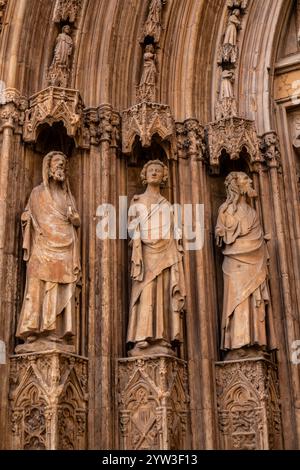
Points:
248	405
48	401
153	403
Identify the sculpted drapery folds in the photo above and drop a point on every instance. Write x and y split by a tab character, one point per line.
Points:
51	251
247	315
60	68
158	288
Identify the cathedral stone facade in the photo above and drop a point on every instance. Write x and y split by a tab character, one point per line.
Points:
119	328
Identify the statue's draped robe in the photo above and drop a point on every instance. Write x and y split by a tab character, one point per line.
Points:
158	286
247	317
63	50
52	254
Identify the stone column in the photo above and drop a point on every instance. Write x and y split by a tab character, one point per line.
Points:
48	401
153	403
248	405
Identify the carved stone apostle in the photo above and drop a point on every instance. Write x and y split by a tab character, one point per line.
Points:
60	67
158	286
247	314
51	251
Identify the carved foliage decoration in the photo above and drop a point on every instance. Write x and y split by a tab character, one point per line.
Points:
54	105
232	136
144	120
190	138
67	10
270	149
12	107
102	124
153	403
48	401
248	405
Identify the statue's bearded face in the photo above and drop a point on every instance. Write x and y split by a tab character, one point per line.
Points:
57	169
245	185
154	174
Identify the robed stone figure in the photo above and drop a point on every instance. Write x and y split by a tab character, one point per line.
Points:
158	288
247	320
52	254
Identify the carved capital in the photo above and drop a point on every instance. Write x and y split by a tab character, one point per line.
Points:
269	146
190	139
12	106
103	124
67	10
232	136
144	120
52	105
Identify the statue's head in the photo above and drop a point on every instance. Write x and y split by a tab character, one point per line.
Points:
149	48
236	12
54	167
238	184
155	172
66	29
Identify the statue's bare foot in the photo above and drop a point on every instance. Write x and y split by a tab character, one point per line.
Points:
31	339
142	344
53	338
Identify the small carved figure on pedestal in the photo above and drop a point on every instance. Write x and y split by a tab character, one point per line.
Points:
230	49
59	70
158	286
226	105
146	88
51	251
247	321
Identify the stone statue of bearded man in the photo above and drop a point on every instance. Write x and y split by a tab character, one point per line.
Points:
247	320
52	254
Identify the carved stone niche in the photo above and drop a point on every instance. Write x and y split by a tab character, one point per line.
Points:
153	403
248	402
48	401
144	120
52	105
232	136
67	10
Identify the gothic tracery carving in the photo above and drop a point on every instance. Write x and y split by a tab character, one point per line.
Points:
153	400
48	398
67	10
248	405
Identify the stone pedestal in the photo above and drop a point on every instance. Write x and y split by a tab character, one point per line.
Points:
48	401
153	403
248	405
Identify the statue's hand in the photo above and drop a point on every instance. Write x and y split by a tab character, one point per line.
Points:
73	217
267	237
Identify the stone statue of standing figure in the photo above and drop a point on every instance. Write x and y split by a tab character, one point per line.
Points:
247	321
51	251
158	286
60	68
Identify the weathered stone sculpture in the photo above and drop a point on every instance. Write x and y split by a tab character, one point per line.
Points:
247	315
52	253
230	50
146	88
59	70
152	27
158	288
